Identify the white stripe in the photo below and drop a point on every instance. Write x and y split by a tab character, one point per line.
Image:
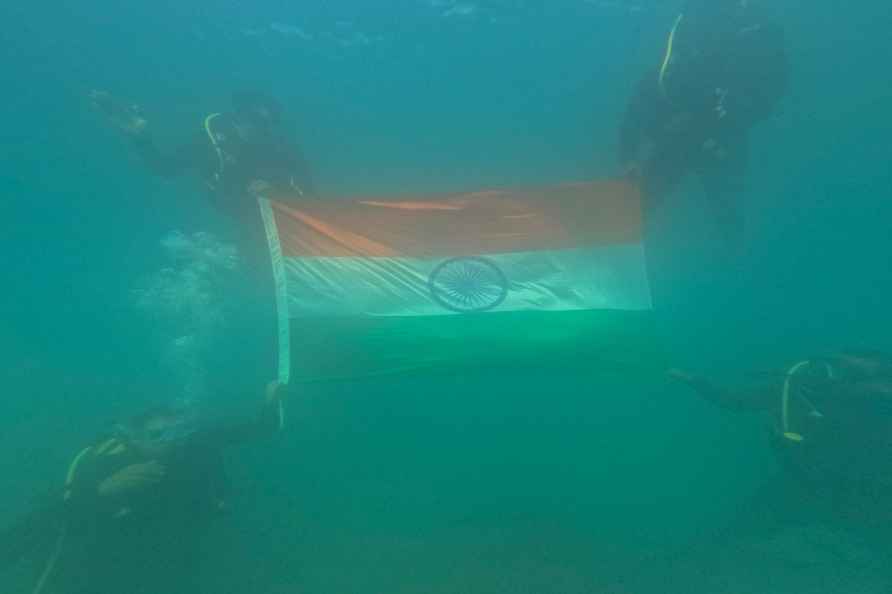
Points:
596	277
281	289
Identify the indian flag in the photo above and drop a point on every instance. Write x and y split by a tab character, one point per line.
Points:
513	277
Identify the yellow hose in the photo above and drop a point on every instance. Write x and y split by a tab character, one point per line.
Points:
785	402
213	139
72	470
60	540
51	563
668	56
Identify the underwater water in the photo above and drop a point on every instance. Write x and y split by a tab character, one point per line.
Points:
119	291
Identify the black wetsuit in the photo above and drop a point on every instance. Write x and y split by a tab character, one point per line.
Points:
228	153
724	69
835	438
143	542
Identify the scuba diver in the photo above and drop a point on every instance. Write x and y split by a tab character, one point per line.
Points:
136	505
723	70
240	155
831	429
237	154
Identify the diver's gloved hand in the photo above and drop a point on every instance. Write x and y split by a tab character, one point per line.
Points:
126	118
631	171
275	401
259	187
275	392
682	376
135	477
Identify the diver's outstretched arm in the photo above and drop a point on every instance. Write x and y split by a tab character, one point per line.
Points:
266	422
638	118
183	160
644	122
754	399
302	178
287	168
128	119
723	175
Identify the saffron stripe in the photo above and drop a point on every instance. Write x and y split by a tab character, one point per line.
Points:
497	221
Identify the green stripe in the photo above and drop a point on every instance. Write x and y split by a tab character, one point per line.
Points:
356	347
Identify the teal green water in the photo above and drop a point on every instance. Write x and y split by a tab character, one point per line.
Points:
521	481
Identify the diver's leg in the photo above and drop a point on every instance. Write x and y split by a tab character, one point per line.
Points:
31	537
723	202
662	174
250	328
723	175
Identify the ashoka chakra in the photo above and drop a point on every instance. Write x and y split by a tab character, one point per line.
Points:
468	284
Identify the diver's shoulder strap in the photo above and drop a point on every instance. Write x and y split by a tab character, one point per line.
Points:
215	142
107	447
209	127
71	475
667	56
786	395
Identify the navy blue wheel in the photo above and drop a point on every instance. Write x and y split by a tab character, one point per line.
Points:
468	284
